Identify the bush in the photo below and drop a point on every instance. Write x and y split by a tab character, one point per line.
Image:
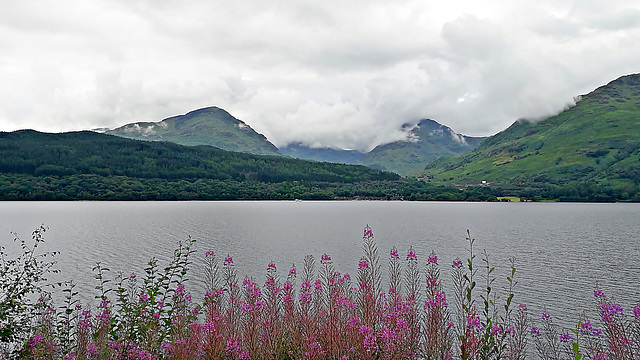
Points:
23	288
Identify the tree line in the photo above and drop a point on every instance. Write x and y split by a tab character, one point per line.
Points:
93	166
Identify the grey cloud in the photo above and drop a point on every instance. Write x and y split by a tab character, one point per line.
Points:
325	73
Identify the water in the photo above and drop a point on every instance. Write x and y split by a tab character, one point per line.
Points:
562	250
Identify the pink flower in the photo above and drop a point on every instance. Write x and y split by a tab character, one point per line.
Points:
394	253
209	253
92	349
411	255
495	330
305	297
586	327
165	346
433	259
363	264
368	233
292	272
228	260
364	329
325	258
270	282
37	339
535	332
271	266
209	326
180	289
457	263
474	322
233	345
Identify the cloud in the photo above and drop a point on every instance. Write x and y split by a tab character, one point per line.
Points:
324	73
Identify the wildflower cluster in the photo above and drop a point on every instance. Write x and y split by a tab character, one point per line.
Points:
315	312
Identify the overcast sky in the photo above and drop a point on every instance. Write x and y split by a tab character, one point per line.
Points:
332	72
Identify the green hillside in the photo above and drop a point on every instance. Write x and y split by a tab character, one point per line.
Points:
593	144
209	126
429	140
93	166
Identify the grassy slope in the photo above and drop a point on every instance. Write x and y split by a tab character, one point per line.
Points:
598	140
209	126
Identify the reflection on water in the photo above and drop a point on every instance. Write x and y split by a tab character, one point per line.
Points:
562	251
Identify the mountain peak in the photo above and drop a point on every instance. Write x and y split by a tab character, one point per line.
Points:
211	110
426	141
207	126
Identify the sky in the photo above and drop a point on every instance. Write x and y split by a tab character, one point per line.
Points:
343	74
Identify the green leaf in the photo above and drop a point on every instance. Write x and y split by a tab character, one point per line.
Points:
576	350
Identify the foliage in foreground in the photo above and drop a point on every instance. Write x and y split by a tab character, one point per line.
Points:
313	313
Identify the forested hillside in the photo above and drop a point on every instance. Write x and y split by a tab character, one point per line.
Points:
88	165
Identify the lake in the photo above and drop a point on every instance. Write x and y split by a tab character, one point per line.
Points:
562	250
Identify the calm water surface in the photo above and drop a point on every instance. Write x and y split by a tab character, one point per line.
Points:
562	250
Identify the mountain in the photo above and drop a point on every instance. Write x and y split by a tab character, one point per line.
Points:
428	140
208	126
300	151
216	127
595	143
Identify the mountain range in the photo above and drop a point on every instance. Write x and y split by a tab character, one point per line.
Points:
426	141
589	152
595	143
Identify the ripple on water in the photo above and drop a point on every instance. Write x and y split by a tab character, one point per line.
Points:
562	251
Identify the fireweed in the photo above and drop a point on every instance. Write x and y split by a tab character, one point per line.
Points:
313	313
